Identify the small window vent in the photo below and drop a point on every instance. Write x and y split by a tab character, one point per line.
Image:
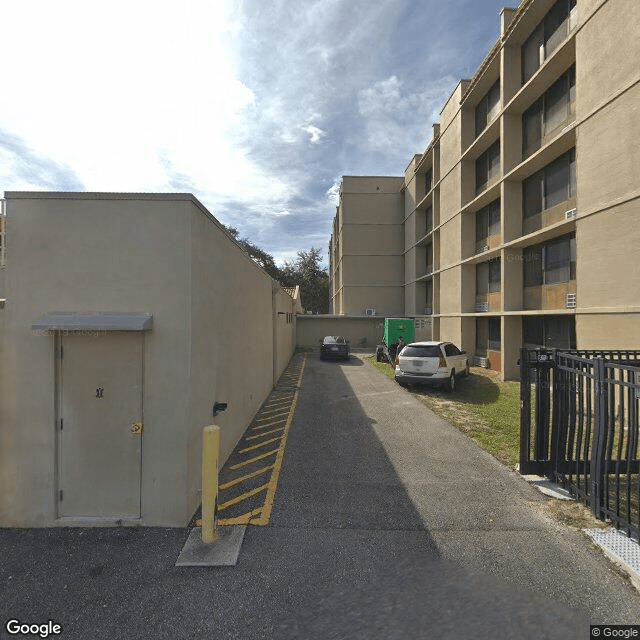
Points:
570	301
570	214
371	312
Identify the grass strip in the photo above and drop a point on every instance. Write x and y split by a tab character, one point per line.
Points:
481	406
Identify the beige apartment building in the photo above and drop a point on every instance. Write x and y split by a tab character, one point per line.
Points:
522	216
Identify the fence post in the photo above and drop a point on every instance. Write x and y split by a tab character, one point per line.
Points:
599	437
558	432
542	411
525	411
210	454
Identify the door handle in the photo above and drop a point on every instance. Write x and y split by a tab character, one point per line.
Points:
136	428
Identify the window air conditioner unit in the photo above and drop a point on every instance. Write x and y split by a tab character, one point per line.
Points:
428	311
570	214
570	301
371	312
480	362
484	247
482	306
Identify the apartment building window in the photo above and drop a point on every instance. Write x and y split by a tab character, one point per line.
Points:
428	181
547	36
429	220
488	108
550	186
488	334
494	334
429	298
488	277
548	112
487	225
429	258
550	263
488	166
549	331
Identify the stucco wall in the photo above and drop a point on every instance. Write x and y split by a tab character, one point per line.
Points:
285	330
91	255
361	332
386	300
212	337
231	341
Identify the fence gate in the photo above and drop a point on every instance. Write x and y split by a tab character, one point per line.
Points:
579	427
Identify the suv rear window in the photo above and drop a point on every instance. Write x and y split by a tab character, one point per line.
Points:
427	351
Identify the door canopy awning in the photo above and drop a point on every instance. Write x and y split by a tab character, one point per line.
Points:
65	321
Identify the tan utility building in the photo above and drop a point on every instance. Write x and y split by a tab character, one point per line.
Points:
126	317
522	215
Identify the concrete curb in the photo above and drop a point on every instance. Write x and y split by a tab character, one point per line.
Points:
223	552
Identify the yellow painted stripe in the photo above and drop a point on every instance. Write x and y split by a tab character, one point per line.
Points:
241	479
277	466
245	518
246	463
275	407
259	445
281	406
242	497
270	424
262	435
277	415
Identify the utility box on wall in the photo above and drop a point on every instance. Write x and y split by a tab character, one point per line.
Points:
396	328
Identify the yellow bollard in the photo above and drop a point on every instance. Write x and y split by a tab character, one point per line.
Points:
210	453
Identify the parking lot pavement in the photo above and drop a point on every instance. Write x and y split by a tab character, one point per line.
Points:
387	523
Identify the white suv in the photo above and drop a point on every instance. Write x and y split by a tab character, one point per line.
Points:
425	362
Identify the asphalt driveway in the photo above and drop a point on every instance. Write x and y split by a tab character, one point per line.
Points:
387	523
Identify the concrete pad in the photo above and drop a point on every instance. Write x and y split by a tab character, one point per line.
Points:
622	550
221	553
548	488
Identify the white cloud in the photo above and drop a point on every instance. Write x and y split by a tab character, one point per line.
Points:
315	133
111	90
333	193
393	116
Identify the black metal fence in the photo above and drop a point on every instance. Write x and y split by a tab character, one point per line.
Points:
579	426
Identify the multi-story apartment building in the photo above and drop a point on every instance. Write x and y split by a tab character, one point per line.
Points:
367	247
522	216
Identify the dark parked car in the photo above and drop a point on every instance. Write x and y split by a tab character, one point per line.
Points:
334	347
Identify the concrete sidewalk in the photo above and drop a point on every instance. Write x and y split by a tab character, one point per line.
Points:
387	523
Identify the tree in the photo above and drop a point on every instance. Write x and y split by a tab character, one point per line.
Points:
306	271
260	257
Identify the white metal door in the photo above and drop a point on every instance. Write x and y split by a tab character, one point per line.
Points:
100	425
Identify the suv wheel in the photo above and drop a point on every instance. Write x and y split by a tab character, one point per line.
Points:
451	385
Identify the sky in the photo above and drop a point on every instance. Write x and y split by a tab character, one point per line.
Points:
257	107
